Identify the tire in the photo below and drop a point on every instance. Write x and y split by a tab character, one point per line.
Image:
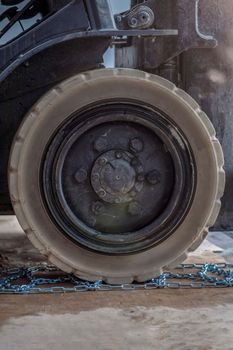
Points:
47	116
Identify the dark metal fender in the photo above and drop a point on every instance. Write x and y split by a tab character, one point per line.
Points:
30	80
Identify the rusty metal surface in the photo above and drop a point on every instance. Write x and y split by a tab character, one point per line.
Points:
208	77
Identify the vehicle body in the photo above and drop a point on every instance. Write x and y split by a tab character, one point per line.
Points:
56	160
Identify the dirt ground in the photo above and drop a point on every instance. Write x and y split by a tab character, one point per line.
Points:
140	320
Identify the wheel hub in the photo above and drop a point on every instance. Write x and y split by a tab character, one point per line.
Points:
116	176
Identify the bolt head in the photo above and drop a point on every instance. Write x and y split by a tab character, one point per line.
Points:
118	18
140	177
135	208
133	193
136	145
133	22
144	17
102	193
81	175
118	154
101	144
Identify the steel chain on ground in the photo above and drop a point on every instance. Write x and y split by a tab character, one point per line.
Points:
36	279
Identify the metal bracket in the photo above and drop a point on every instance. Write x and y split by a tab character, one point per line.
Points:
190	35
139	17
197	27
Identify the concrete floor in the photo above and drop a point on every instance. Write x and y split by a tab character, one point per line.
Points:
140	320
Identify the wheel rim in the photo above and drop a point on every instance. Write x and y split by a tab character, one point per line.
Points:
118	177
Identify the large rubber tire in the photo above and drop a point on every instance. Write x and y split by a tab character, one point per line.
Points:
46	116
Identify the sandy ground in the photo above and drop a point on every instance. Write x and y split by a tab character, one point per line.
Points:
140	320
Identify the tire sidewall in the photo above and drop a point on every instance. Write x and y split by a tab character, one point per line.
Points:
38	128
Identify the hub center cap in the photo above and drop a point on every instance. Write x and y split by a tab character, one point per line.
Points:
117	176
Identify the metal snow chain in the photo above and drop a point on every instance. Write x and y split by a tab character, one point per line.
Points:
30	280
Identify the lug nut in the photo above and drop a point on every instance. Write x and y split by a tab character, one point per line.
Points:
136	145
133	193
101	144
91	221
102	193
140	177
81	175
102	161
135	209
97	208
153	177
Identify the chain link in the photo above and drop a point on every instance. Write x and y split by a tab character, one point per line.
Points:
38	279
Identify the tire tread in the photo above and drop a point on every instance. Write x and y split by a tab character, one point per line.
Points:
22	136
